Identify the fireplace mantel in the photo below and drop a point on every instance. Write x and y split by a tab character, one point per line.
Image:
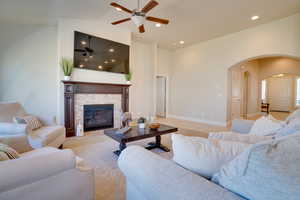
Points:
77	87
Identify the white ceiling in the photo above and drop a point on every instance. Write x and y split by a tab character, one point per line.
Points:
190	20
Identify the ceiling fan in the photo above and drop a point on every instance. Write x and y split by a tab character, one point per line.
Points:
138	16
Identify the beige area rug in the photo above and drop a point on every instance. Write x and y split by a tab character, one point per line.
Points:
97	151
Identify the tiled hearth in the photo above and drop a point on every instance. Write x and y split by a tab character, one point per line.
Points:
90	99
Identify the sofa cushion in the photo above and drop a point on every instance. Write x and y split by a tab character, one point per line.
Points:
39	152
204	156
266	126
268	170
45	135
7	153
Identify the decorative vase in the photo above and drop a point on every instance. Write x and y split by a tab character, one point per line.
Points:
141	125
67	78
79	131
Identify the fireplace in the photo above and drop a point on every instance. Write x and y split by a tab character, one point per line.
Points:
98	116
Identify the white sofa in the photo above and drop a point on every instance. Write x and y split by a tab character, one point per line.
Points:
48	135
45	173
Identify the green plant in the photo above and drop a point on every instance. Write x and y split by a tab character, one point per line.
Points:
141	120
128	76
67	66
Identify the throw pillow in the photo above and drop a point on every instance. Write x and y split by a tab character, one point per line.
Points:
237	137
32	122
19	120
268	170
293	127
266	126
204	156
7	152
294	115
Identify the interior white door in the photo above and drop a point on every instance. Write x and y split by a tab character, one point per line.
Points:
161	82
236	83
280	93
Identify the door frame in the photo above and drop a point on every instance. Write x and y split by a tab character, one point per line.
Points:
167	94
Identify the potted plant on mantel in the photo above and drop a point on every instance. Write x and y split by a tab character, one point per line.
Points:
128	77
67	67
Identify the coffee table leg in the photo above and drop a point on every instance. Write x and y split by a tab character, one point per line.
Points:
157	144
122	146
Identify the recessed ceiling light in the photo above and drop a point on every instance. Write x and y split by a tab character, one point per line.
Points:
86	59
118	9
111	50
81	66
83	42
100	67
113	60
106	62
181	42
91	56
158	25
255	17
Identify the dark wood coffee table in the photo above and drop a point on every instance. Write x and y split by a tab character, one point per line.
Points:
138	134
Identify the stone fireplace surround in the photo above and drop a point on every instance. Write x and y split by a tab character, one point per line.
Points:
93	99
77	94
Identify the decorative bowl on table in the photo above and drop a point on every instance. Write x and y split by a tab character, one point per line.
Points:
154	126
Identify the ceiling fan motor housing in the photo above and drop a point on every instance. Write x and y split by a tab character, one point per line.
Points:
138	18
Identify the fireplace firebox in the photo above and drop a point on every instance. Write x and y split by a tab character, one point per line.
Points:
98	116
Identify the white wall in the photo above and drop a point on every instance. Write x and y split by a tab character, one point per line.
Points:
199	72
143	69
28	68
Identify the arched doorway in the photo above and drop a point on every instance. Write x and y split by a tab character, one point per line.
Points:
248	79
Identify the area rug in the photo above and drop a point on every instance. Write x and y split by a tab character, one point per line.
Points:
97	151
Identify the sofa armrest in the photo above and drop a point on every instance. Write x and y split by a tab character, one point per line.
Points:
12	129
18	142
159	179
23	171
241	126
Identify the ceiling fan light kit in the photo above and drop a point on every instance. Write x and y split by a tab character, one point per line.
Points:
139	16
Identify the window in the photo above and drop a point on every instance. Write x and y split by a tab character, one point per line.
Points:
264	90
298	92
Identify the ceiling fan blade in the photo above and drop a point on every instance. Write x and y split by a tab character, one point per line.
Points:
120	21
158	20
142	28
121	7
149	6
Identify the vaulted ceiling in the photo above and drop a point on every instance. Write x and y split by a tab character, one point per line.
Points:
191	20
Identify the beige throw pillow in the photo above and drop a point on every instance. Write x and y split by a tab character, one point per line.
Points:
32	121
7	153
204	156
266	126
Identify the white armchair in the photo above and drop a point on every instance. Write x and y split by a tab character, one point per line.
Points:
46	173
10	132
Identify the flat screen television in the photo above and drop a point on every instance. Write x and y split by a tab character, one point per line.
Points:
94	53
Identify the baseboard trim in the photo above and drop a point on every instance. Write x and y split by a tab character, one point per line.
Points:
209	122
